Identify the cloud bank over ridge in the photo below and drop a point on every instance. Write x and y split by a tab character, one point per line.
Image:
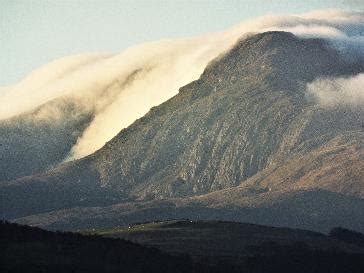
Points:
119	88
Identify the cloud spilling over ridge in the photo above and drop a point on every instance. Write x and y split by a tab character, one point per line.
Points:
119	88
339	91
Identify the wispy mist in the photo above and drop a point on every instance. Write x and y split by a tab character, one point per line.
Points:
339	91
120	88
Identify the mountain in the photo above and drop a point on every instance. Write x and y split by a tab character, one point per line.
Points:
243	141
229	124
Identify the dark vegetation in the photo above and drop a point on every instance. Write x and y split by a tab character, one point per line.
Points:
299	258
240	247
348	236
30	249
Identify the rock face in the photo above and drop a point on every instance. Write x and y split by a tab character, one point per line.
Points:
246	125
246	111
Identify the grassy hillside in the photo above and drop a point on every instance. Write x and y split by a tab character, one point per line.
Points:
27	249
250	247
213	246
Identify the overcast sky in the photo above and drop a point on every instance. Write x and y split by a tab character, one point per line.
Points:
35	32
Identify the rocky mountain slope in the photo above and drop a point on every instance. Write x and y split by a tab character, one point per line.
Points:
245	135
246	112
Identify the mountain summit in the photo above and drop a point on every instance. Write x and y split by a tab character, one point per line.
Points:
245	134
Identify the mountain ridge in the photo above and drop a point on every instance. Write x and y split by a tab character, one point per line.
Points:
247	113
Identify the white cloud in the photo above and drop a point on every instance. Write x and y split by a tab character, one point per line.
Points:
338	91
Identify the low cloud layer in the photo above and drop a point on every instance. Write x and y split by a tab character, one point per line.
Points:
119	88
338	92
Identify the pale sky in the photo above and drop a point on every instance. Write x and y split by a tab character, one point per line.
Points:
35	32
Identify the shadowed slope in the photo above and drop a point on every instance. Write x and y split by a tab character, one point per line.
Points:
27	249
309	209
39	140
